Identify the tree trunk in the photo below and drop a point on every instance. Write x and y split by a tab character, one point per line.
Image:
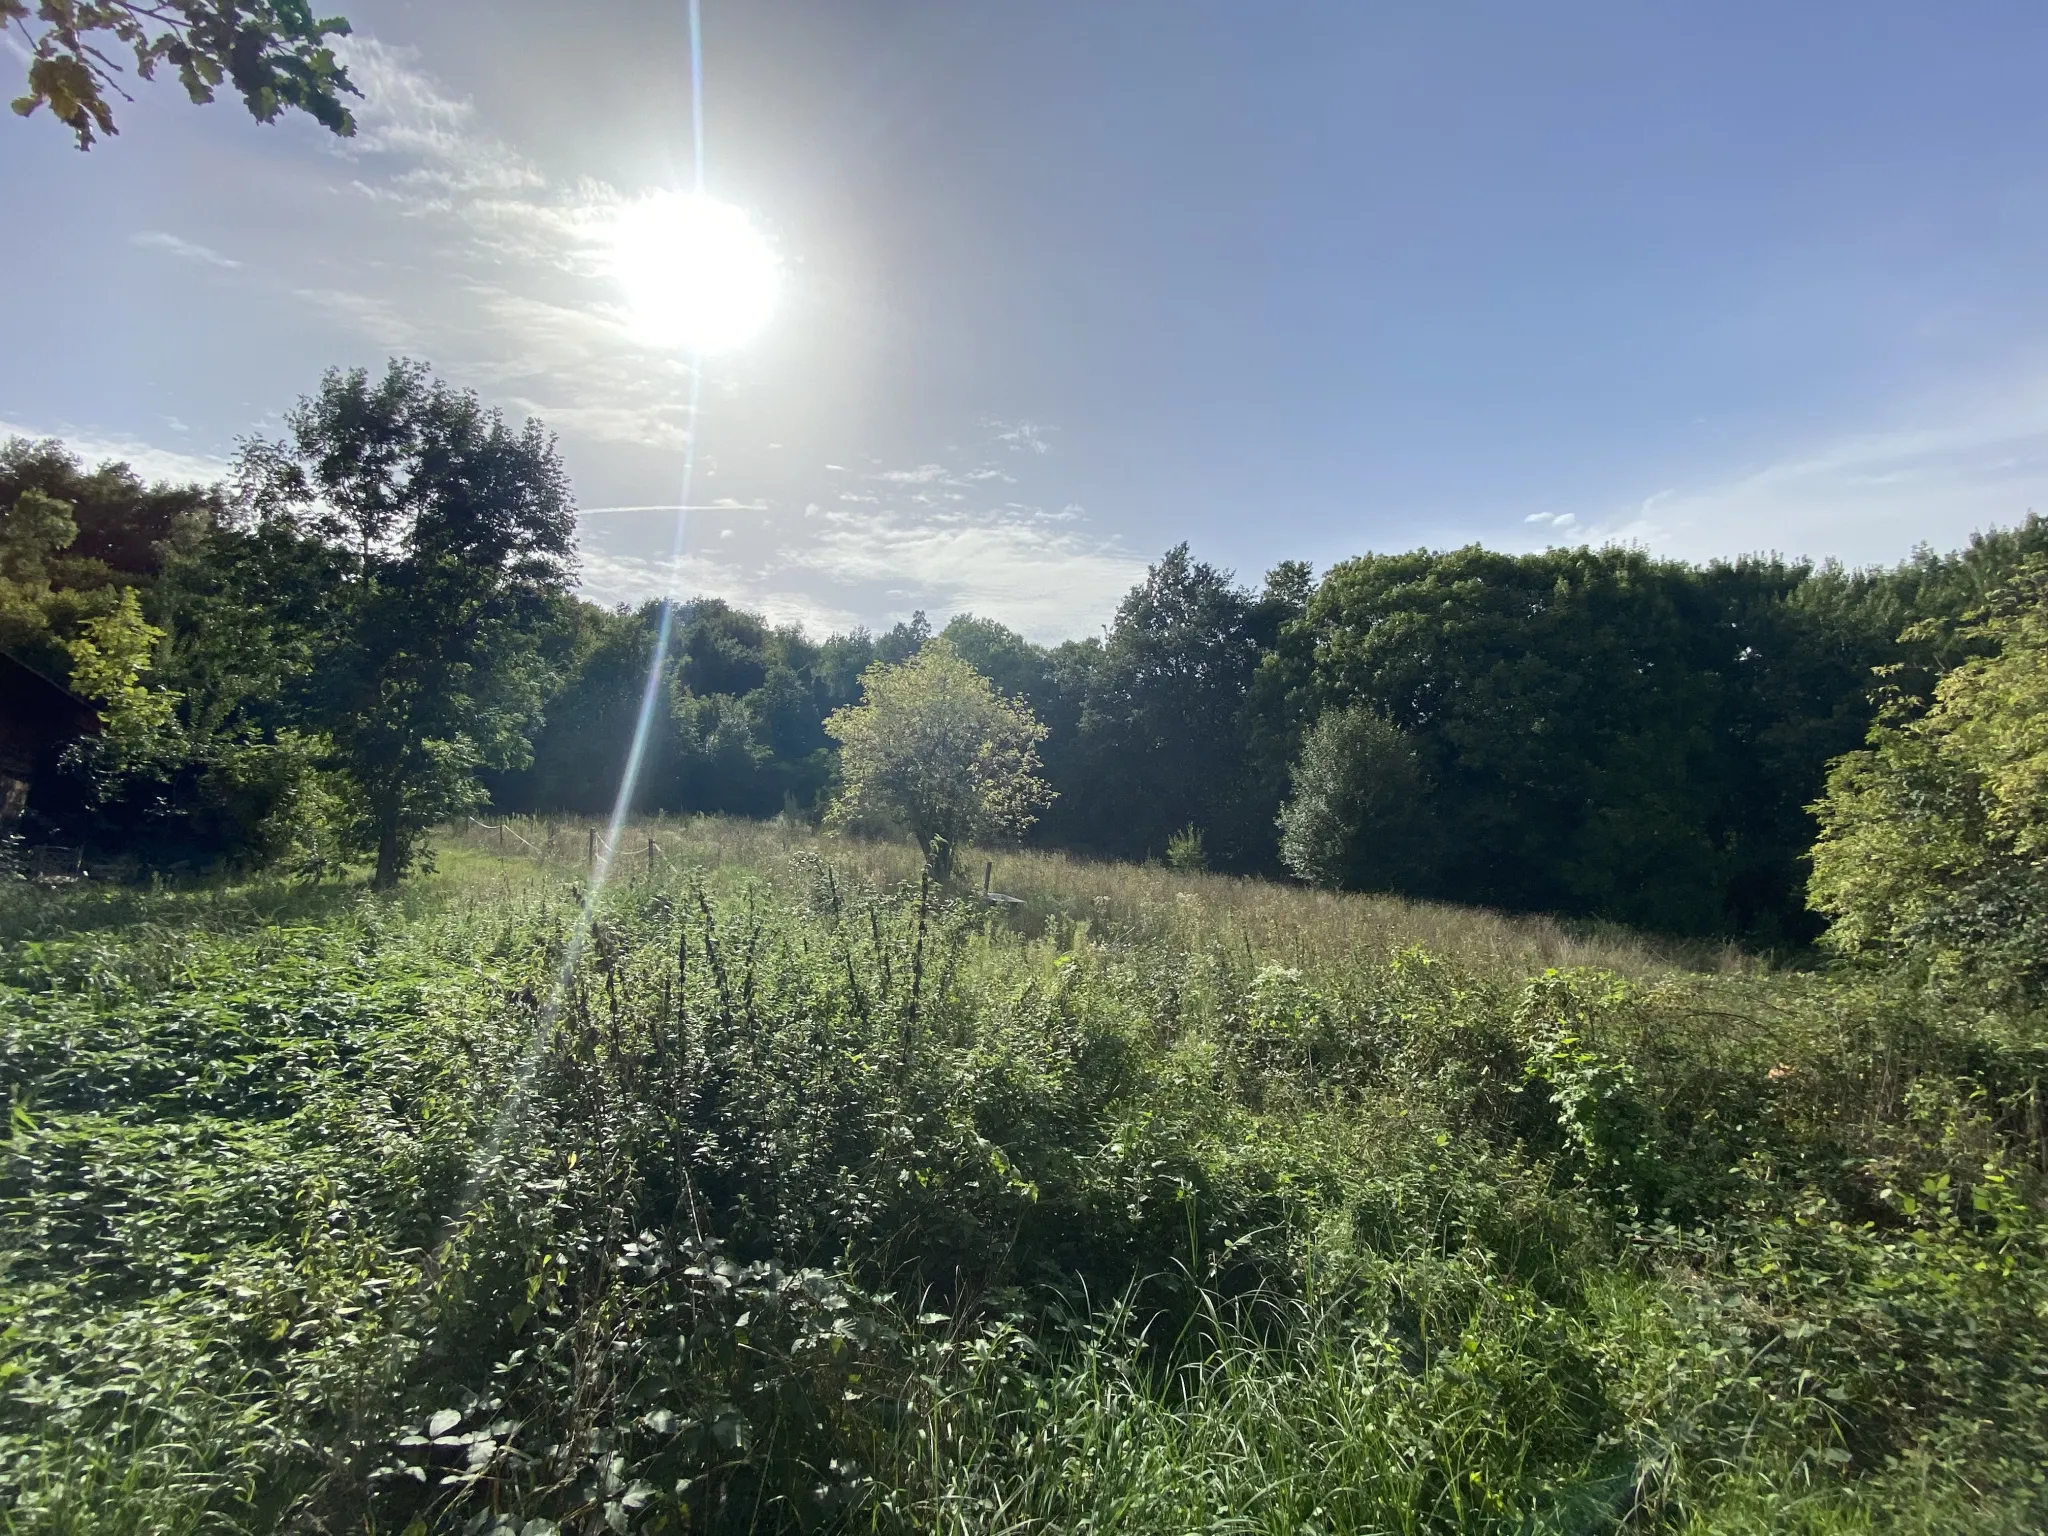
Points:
389	853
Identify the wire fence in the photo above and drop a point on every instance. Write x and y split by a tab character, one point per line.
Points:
694	843
50	861
583	845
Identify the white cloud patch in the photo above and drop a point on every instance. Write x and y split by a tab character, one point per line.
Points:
404	112
1020	436
377	319
184	250
634	579
1868	499
508	289
497	271
892	542
1016	564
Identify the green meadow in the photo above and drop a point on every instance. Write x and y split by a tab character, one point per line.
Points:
795	1192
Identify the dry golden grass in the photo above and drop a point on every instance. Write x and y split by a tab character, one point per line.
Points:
1278	922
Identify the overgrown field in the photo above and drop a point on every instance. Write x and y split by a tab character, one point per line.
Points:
818	1199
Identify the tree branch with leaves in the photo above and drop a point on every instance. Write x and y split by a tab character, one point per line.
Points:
275	53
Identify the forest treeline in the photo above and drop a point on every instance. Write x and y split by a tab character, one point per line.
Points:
1594	732
334	650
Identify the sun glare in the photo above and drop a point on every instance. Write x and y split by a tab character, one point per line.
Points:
694	272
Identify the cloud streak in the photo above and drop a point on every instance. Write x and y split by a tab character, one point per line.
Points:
503	283
184	250
1865	499
634	579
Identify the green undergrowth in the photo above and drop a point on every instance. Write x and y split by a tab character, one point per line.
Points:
811	1199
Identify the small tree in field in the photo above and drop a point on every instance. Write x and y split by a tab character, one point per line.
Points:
1359	816
933	750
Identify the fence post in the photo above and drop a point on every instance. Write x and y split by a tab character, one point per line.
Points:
501	837
590	847
650	858
988	875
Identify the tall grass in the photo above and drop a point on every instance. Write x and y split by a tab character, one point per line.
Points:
1147	1201
1287	923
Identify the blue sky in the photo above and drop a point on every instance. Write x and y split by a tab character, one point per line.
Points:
1067	283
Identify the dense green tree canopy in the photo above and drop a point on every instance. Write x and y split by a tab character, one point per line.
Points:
452	534
1359	817
1603	729
1165	731
383	626
71	539
1933	853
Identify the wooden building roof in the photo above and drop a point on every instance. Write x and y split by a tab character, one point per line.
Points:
37	715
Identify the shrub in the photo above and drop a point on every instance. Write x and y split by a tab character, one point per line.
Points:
1359	816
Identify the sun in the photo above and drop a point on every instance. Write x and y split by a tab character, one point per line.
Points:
694	272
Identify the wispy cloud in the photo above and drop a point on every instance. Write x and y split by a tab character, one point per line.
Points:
633	579
505	288
184	250
1020	436
884	542
404	112
1868	498
1019	564
508	292
1864	498
722	505
379	320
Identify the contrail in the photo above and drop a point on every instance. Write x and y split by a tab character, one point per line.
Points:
671	506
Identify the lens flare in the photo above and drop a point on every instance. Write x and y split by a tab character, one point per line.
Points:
693	271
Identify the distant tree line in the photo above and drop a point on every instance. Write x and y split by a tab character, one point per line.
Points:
371	628
1593	732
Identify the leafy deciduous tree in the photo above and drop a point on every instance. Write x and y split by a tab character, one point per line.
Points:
452	534
933	749
1164	732
1933	854
108	664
